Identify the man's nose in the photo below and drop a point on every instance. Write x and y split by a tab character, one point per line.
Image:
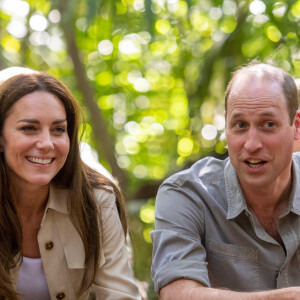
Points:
253	140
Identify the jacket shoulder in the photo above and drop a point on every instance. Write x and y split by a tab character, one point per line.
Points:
105	197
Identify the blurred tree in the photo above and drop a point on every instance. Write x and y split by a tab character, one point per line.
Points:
150	74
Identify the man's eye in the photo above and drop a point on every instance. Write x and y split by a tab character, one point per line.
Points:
240	125
270	124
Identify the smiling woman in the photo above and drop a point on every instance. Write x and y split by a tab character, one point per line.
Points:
34	140
62	224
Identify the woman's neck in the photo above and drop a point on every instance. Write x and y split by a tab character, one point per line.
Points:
30	200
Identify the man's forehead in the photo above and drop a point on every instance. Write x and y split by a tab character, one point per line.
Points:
253	82
254	91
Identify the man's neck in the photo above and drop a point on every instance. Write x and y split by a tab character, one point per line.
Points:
268	204
269	198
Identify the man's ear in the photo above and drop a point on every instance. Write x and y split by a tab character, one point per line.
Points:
296	126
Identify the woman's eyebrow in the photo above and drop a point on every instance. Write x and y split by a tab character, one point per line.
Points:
29	121
37	121
60	121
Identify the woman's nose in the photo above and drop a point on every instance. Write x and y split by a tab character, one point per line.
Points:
45	141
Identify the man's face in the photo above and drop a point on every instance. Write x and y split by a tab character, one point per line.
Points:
259	134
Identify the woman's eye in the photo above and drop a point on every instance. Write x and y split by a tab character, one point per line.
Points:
28	128
60	129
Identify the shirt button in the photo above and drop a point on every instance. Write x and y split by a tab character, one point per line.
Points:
49	245
60	295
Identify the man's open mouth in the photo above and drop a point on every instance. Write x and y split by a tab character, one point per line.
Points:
255	163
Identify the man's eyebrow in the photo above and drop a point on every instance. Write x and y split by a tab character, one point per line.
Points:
235	116
240	115
35	121
267	113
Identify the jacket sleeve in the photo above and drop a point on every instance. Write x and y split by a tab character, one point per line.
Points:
114	279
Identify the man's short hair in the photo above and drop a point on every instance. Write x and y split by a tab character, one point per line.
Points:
272	73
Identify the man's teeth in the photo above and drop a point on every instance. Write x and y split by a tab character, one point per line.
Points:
40	160
254	163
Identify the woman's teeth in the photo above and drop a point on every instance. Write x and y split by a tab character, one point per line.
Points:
40	160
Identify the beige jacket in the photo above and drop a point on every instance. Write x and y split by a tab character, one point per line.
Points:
63	256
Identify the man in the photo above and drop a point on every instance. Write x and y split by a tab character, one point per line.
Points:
231	229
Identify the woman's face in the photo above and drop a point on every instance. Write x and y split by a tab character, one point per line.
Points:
34	139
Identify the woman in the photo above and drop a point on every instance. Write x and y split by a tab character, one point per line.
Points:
62	225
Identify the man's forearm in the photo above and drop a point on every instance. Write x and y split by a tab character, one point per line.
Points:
192	290
204	293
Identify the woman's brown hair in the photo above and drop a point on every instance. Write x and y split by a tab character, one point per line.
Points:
75	176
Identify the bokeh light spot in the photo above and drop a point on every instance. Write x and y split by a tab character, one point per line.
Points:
162	26
104	78
209	132
38	22
105	47
17	29
257	7
147	213
54	16
140	171
185	146
274	34
128	46
17	8
142	85
142	102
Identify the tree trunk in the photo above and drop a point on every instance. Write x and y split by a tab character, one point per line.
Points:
103	139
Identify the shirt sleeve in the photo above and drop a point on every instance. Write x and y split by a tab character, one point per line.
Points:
114	279
179	224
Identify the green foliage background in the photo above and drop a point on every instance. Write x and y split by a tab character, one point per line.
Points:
150	76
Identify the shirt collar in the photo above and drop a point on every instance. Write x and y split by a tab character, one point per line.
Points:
235	197
295	194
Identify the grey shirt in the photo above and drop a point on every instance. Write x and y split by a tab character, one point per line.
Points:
204	231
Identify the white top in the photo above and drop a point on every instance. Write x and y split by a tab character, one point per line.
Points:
32	284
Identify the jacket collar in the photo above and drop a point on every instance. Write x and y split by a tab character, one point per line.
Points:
58	199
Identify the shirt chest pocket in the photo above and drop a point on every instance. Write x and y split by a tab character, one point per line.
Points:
232	267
